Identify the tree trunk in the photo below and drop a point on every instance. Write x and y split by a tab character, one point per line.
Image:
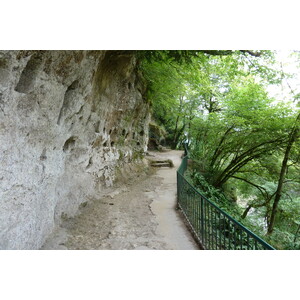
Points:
176	134
283	170
296	234
246	212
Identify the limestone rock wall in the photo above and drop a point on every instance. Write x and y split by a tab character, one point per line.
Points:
68	120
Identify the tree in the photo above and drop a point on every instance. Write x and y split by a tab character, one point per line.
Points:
293	136
182	84
246	129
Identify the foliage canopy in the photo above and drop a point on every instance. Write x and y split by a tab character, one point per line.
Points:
243	143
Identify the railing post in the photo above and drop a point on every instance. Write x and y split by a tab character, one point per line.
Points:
178	190
202	219
185	148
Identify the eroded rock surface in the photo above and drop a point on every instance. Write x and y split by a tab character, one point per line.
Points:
70	122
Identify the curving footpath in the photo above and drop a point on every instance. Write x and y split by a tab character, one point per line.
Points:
140	215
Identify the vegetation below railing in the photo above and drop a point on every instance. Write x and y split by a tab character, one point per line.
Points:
285	235
213	227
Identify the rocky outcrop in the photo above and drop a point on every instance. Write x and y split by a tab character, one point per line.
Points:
68	121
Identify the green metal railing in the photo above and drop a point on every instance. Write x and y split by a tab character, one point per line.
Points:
212	227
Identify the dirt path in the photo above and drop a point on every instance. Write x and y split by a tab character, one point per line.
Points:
139	215
170	223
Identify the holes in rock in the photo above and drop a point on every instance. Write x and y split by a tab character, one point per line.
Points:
98	142
43	155
88	119
142	133
73	86
80	112
97	127
3	63
69	144
89	163
110	132
112	143
138	143
83	204
123	132
68	98
104	129
105	144
133	135
129	85
29	74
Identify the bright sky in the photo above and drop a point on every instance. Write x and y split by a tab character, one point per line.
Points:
289	65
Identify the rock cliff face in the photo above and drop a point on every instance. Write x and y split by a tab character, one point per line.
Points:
68	121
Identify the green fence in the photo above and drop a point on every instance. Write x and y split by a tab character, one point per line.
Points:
213	228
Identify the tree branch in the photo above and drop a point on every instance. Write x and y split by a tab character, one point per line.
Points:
229	52
260	188
252	53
